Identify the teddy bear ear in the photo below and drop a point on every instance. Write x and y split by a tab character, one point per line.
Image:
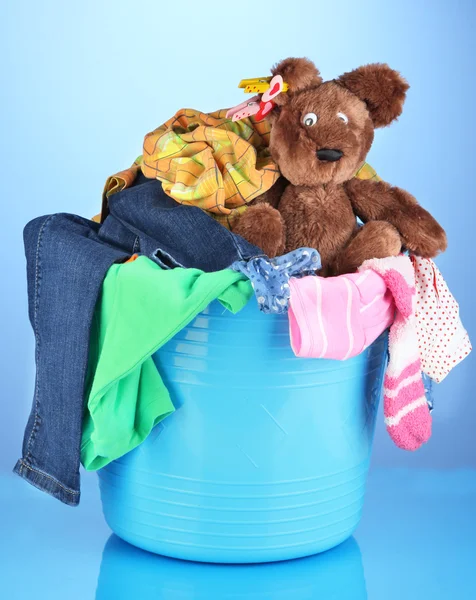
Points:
299	74
381	88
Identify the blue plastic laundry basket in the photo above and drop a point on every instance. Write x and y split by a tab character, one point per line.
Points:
266	456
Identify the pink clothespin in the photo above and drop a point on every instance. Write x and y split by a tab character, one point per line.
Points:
259	107
245	109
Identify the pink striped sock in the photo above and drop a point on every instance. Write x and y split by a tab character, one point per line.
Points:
407	415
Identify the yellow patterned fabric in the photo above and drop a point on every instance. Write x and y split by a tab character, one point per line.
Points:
206	160
366	172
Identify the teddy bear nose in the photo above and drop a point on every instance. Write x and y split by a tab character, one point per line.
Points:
329	154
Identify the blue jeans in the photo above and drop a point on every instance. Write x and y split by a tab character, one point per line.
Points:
67	259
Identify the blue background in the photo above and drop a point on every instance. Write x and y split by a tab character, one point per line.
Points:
83	82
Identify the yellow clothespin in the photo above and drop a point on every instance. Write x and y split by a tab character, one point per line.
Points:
258	85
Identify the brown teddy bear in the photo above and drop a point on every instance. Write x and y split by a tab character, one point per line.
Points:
321	133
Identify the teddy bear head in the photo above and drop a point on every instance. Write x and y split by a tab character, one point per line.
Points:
321	132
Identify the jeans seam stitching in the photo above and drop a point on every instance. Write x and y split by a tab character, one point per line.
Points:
235	243
66	489
36	421
239	249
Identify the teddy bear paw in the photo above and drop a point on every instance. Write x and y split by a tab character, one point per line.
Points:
263	226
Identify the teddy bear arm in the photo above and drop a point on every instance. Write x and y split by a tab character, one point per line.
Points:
373	201
273	195
263	226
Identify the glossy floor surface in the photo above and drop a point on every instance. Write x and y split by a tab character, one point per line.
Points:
416	541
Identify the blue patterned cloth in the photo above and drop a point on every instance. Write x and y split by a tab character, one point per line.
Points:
428	385
270	276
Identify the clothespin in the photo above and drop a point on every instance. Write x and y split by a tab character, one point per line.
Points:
268	87
259	85
244	110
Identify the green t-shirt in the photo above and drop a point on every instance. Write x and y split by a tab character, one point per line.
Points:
140	309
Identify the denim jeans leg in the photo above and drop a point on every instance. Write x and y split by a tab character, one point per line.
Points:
66	265
67	261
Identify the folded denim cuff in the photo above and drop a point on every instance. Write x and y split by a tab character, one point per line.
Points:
47	483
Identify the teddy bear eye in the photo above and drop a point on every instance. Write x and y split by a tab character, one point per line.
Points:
343	117
310	119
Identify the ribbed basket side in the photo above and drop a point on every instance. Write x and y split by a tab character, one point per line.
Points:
266	456
241	524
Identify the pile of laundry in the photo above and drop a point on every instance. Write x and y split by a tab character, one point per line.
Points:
105	294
